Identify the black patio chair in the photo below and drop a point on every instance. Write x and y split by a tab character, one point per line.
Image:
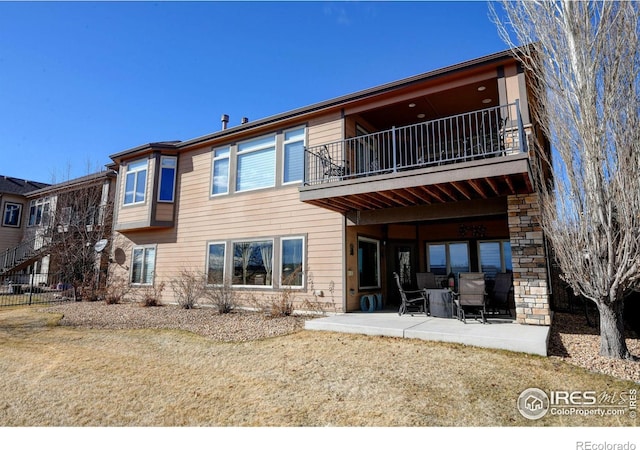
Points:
329	168
427	280
501	294
412	301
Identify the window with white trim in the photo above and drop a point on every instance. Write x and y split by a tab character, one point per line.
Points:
12	214
253	263
167	189
39	212
368	263
494	257
256	162
135	182
220	176
215	263
447	257
292	261
293	156
143	263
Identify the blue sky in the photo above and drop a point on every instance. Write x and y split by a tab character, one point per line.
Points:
80	81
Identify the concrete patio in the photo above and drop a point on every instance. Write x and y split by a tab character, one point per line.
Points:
498	333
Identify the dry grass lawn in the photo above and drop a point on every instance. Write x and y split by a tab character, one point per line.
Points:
62	376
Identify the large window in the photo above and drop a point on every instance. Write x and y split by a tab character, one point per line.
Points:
135	182
368	263
292	259
253	263
39	212
167	190
215	263
444	258
494	257
256	164
143	265
220	183
293	170
12	214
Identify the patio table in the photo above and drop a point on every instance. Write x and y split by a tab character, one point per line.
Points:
440	303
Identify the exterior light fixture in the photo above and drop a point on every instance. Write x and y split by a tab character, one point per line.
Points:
486	100
421	116
412	105
481	88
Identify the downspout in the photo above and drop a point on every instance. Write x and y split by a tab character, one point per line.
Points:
345	290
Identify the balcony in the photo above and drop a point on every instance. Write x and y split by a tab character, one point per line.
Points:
475	155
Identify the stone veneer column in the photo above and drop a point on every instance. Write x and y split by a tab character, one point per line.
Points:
531	290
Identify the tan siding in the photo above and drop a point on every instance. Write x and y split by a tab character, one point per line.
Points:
264	213
164	212
10	236
135	213
326	129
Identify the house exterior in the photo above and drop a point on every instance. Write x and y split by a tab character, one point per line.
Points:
433	173
14	203
69	217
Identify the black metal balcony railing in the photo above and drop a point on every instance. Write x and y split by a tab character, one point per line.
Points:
24	251
479	134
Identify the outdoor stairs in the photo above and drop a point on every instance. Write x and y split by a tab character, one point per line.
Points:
22	255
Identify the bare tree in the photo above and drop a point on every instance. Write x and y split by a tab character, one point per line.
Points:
583	58
80	219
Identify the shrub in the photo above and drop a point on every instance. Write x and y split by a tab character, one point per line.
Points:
221	296
188	288
282	304
151	295
115	290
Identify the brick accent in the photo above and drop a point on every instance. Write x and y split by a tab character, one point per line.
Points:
531	290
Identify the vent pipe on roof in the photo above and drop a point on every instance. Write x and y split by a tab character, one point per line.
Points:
244	120
225	120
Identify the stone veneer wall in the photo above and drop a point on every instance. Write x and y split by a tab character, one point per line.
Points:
531	290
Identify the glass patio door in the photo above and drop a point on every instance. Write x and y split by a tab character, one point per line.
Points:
402	259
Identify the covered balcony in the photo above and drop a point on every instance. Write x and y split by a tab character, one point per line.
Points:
475	155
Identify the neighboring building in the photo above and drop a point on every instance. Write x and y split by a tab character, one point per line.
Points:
13	201
56	219
430	173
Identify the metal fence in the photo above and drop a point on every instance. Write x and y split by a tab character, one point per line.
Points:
32	289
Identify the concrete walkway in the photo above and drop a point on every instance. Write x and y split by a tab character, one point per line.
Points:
497	333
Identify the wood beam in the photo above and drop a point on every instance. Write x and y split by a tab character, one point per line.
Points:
437	211
435	195
420	195
355	202
340	203
461	189
448	192
507	180
475	184
374	200
406	195
492	184
391	195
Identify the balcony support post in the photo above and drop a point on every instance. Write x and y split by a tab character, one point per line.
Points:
393	148
521	135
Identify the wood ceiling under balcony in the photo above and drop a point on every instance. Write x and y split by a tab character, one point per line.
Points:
486	179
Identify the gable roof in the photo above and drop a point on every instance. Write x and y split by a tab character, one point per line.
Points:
74	183
495	58
11	185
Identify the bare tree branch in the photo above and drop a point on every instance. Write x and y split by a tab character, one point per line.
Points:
583	58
